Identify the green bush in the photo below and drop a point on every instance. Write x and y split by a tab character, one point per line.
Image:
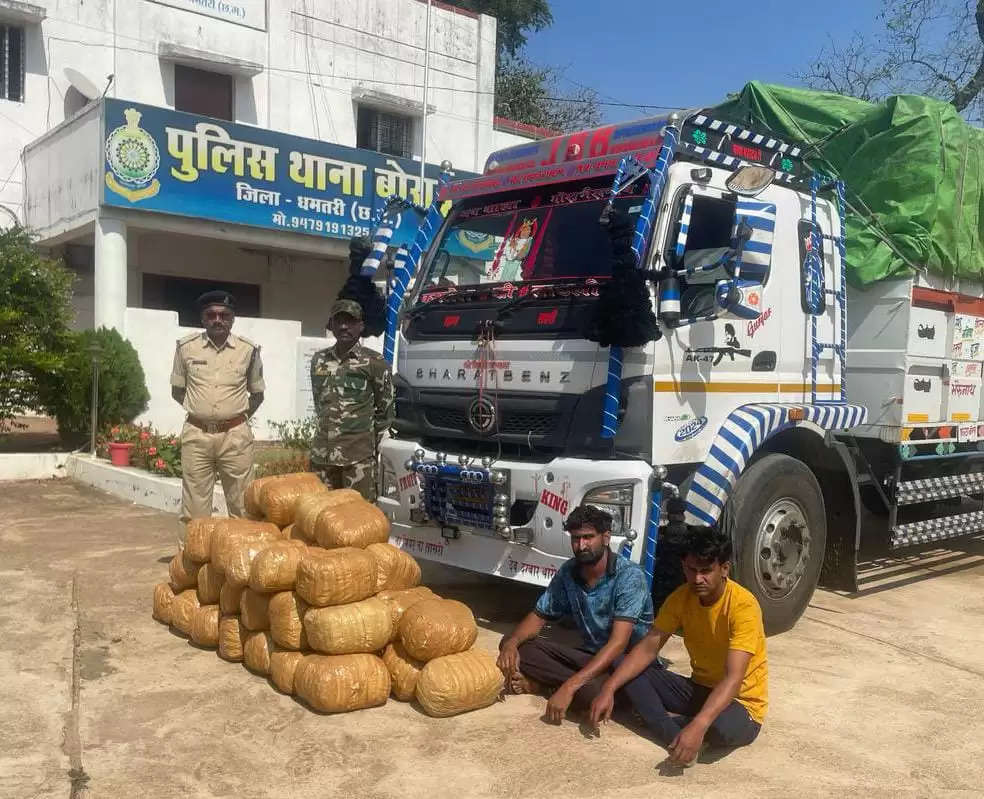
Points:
296	433
35	309
123	391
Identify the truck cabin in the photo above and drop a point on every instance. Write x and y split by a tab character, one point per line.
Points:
529	231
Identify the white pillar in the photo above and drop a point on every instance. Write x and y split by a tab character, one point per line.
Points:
110	273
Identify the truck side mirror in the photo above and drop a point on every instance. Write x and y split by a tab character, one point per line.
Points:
739	298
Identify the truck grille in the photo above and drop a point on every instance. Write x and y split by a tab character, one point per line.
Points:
518	424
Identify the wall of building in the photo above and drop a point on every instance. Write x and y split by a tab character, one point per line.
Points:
316	60
292	287
295	288
286	364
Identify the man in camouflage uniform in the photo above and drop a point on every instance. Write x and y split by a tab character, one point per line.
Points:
353	399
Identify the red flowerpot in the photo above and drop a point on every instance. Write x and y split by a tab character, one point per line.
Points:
119	454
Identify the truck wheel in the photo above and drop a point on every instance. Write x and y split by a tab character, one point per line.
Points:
776	519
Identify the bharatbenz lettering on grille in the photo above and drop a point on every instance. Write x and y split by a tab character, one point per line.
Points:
742	403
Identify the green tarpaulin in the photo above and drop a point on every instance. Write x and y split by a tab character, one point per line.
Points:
913	169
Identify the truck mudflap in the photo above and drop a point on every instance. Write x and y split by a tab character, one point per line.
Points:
505	517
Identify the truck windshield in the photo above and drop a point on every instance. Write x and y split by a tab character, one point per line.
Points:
550	232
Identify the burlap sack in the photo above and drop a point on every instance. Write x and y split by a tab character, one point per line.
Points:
229	598
210	584
183	608
395	569
352	524
232	638
205	626
256	652
433	628
291	534
279	497
340	683
400	601
346	629
183	571
163	597
198	538
275	568
336	576
286	612
404	671
235	528
238	554
283	664
254	610
309	507
458	683
254	507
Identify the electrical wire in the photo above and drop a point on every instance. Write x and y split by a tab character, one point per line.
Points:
355	78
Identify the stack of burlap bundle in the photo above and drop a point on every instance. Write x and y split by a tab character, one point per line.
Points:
310	593
431	659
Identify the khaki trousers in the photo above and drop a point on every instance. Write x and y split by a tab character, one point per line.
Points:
229	454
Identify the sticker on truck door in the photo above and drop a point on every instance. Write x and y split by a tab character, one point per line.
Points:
690	429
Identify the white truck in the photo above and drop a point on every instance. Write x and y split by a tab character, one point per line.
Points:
809	435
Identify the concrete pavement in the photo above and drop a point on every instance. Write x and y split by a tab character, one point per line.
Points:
879	695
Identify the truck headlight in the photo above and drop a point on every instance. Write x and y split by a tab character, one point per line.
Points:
615	500
388	487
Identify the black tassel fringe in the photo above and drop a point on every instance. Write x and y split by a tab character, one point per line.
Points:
363	290
623	315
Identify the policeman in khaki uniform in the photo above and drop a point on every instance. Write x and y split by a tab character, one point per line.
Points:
218	379
353	400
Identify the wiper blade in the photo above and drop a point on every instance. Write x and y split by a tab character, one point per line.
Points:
500	312
513	305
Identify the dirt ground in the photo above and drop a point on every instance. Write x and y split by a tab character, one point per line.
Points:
875	695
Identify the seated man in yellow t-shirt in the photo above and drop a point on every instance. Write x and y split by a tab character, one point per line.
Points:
725	698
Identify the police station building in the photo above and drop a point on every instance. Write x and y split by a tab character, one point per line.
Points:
165	147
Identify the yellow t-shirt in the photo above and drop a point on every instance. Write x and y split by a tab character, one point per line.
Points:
733	622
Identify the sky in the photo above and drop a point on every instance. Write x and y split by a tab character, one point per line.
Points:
688	54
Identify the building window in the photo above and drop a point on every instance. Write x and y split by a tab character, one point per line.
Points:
384	132
11	63
200	92
169	293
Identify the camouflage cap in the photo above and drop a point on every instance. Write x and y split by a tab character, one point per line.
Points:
350	307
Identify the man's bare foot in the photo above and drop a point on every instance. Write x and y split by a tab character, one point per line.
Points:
519	683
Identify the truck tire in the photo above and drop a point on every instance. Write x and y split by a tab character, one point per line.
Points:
776	519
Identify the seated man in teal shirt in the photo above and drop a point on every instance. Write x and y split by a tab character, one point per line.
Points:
608	598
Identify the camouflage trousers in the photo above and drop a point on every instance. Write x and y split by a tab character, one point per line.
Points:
361	476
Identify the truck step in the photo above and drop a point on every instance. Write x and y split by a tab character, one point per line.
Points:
913	533
914	491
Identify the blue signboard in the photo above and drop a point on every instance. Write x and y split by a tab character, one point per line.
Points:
170	162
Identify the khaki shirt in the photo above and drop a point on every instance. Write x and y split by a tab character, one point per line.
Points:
217	380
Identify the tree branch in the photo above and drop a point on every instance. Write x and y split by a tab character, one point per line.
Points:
965	95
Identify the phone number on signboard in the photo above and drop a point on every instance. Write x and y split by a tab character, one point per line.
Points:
321	226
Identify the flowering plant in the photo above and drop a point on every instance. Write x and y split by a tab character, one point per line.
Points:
158	453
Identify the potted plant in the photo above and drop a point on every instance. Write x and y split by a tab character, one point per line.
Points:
120	444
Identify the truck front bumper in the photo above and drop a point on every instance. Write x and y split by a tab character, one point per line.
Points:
503	518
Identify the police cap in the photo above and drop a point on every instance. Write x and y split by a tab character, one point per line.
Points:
217	298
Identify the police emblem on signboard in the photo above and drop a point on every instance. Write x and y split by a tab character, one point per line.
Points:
133	159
